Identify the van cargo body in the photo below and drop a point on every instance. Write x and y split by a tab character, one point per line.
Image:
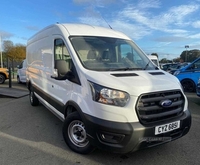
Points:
104	88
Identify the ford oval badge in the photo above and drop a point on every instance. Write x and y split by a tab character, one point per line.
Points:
166	103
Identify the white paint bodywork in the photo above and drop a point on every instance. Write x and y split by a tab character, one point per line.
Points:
40	68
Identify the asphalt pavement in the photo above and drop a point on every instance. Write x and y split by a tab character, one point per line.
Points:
13	89
33	135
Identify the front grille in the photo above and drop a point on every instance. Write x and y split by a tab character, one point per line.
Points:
150	109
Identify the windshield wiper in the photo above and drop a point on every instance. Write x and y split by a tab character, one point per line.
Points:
146	66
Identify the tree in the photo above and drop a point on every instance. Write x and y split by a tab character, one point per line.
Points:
14	52
191	55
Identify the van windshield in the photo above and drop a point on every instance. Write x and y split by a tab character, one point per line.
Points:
110	54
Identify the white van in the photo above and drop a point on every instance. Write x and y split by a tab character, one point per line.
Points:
103	87
155	60
21	72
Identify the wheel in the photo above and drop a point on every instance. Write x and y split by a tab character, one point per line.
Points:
33	99
18	80
188	85
75	134
2	78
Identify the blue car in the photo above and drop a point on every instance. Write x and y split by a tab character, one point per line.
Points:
189	75
198	88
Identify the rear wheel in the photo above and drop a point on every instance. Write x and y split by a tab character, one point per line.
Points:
18	80
188	85
75	134
2	78
33	99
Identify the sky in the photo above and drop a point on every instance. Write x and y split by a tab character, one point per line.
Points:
157	26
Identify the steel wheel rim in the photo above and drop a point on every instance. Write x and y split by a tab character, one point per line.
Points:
77	133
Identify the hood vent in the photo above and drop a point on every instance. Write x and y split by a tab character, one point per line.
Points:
156	73
124	74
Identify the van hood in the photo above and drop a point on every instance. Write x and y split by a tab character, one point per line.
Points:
135	83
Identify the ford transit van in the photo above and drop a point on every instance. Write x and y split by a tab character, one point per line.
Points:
155	60
21	72
104	88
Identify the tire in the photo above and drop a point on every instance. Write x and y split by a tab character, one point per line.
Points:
2	78
188	85
33	99
18	80
75	134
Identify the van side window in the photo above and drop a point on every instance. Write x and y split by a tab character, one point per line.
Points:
60	50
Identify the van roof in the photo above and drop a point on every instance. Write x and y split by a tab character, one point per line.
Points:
84	29
70	29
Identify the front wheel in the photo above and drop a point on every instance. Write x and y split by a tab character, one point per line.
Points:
188	85
18	80
75	134
2	78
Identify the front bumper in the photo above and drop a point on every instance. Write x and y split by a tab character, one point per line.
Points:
128	137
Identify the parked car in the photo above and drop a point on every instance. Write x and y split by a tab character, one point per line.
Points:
188	75
21	72
4	74
167	67
175	68
198	88
155	60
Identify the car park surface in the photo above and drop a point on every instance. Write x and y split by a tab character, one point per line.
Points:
30	135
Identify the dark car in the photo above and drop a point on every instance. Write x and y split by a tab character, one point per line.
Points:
198	87
167	67
179	66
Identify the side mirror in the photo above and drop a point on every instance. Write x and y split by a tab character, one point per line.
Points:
62	71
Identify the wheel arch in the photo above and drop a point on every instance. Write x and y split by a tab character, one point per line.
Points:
189	79
4	75
71	107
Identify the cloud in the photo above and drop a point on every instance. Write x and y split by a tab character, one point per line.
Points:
149	4
92	21
170	39
33	28
133	31
162	21
196	24
97	3
136	19
5	34
195	36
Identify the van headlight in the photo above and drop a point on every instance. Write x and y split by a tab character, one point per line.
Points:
108	96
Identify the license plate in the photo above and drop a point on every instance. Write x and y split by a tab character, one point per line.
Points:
167	127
